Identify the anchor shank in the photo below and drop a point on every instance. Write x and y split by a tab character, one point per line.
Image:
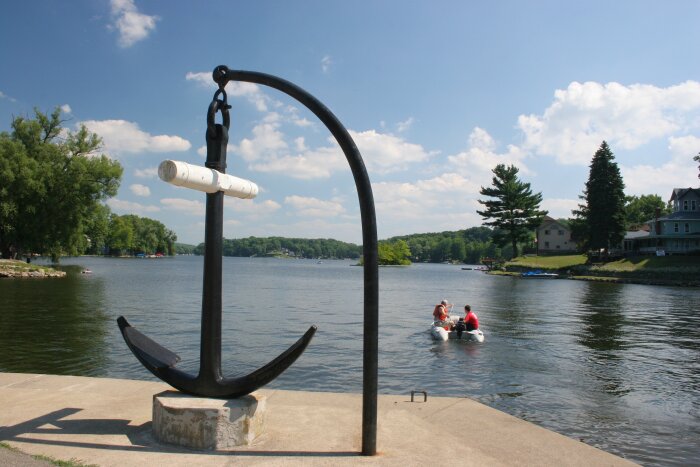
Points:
210	349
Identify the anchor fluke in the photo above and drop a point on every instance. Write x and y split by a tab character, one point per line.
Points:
146	348
161	362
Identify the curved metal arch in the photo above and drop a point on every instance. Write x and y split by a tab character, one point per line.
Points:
223	75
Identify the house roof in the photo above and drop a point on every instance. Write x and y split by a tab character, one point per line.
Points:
546	220
679	193
636	234
682	216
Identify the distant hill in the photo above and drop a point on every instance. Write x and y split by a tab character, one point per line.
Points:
184	249
287	247
463	246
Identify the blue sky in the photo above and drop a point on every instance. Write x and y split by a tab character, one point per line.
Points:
435	94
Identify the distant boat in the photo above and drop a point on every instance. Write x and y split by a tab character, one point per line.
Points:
86	271
539	275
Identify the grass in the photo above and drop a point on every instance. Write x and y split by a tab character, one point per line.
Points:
633	264
13	267
21	266
57	462
661	270
547	262
654	264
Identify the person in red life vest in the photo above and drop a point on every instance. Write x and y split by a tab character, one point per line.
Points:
470	320
441	314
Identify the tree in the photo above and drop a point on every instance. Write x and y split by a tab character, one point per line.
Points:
51	181
641	209
515	210
601	219
394	253
697	159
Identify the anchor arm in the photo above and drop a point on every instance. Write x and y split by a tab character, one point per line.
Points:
222	75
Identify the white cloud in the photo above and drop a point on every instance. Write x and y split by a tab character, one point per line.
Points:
481	157
140	190
405	125
150	172
314	207
128	207
310	164
132	25
679	171
267	141
246	206
559	208
445	202
121	137
5	96
326	63
584	114
268	151
188	206
250	91
65	108
385	153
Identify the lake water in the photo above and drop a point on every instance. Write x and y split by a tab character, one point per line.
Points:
616	366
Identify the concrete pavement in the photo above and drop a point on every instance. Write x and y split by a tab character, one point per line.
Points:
107	422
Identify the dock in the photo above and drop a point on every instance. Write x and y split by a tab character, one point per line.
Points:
107	422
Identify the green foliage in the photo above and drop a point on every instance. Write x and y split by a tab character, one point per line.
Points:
697	159
50	186
394	253
642	209
464	246
600	221
467	246
130	234
514	209
184	249
293	247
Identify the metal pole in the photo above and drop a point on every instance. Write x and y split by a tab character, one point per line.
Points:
223	75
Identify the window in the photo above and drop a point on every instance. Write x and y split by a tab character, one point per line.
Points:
546	244
675	227
561	232
692	205
686	228
685	204
546	232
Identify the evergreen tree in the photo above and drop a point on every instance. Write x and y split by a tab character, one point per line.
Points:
697	159
515	210
603	214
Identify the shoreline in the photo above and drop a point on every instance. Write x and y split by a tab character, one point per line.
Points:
613	279
12	268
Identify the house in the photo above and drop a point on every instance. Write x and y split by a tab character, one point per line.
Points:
553	237
675	233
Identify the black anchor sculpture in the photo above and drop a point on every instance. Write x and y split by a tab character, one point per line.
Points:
210	382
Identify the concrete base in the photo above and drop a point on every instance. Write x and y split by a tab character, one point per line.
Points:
211	424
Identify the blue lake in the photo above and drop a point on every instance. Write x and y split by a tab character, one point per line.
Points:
616	366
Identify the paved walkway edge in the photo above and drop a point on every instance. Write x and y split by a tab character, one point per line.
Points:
107	422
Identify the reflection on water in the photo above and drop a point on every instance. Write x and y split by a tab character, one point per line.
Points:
617	366
602	319
55	326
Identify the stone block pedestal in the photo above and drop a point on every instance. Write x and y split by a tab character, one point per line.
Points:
203	423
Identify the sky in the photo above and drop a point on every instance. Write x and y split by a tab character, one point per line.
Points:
434	93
